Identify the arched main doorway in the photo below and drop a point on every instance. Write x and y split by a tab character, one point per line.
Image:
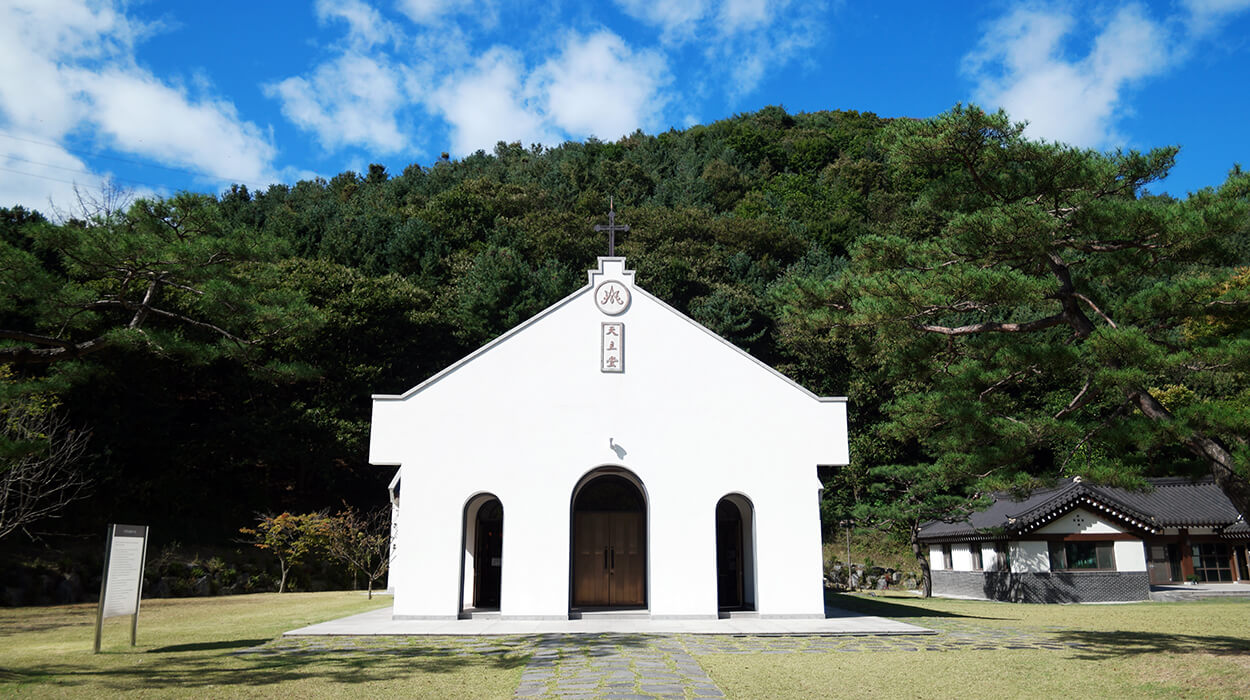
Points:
609	543
483	553
735	554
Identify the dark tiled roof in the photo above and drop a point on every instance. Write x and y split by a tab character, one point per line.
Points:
1170	502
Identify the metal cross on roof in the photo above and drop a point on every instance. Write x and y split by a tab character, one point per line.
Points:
612	228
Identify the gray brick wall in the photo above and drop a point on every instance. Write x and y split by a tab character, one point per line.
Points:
1049	587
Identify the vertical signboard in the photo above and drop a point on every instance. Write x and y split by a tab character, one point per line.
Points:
125	550
612	347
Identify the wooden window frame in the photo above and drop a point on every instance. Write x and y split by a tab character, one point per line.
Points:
1062	545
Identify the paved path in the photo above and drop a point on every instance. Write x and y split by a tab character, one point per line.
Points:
379	622
616	666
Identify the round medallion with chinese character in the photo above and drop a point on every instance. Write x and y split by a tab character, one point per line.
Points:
612	298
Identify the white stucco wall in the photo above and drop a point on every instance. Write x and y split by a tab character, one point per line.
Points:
961	556
1130	555
529	415
989	558
937	562
1082	522
1028	556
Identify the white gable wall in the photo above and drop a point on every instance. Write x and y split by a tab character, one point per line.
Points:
526	418
1080	522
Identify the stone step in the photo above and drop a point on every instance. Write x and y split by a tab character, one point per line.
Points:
609	615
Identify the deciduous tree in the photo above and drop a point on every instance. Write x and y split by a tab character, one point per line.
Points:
291	538
362	540
41	470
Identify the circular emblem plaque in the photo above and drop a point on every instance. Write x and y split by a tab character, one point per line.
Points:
612	298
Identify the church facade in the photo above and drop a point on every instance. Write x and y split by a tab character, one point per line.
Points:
608	454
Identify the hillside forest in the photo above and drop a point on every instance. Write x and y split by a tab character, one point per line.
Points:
1000	311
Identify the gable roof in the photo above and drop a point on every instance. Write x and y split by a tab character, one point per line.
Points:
601	273
1172	502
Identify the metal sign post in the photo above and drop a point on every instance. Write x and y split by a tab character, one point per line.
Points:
125	552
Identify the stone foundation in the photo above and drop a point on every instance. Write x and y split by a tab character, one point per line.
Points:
1044	587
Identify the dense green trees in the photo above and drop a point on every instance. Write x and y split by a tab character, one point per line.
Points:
1033	312
1000	311
163	274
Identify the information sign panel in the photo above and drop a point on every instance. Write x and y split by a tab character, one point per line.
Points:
122	583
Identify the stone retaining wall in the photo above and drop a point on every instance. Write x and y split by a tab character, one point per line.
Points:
1044	587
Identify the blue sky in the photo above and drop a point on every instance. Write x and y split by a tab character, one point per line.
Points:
166	96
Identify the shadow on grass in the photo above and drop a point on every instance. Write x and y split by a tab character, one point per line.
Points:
44	620
891	607
1104	645
209	646
209	668
8	674
320	660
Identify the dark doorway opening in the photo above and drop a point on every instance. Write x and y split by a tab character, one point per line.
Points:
484	544
609	544
735	556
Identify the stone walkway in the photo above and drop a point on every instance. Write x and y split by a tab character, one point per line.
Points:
628	666
614	667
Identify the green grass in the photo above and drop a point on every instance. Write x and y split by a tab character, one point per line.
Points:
199	648
189	648
1147	650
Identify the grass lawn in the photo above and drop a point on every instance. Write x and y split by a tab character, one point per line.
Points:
225	647
1141	650
189	648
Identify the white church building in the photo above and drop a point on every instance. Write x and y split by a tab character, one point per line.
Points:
609	453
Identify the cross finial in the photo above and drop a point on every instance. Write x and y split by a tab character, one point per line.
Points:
612	228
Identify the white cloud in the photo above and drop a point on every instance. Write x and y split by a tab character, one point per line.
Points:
366	26
68	66
1021	66
435	12
677	19
595	86
139	114
737	15
41	175
1206	15
487	103
598	87
744	40
424	11
352	100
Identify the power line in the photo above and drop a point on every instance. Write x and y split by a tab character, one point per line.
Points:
41	177
143	164
80	171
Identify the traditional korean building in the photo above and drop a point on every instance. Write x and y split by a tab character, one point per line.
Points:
1076	542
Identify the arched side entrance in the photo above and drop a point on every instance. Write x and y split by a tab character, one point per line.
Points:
483	553
735	553
608	543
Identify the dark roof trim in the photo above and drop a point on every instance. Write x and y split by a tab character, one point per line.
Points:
1081	495
1169	503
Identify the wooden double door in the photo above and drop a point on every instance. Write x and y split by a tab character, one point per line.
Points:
609	559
